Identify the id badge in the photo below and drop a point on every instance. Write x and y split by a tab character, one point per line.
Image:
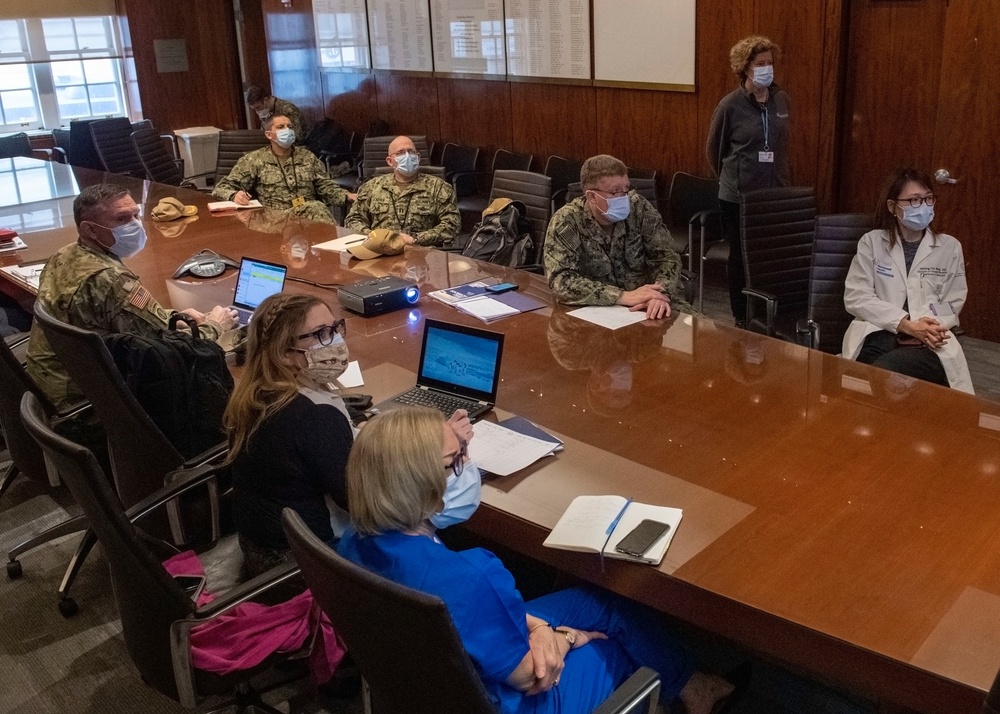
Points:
298	201
765	157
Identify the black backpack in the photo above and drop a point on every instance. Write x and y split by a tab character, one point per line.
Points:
180	380
328	136
503	236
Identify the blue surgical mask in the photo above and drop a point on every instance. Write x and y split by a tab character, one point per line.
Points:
618	208
917	218
461	497
285	137
763	76
408	164
130	238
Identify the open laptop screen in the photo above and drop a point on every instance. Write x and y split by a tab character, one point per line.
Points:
258	280
462	360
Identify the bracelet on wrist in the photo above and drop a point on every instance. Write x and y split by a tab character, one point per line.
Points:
544	624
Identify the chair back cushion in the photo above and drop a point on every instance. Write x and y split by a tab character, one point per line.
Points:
82	151
113	141
156	160
776	229
403	640
504	160
376	148
690	195
15	145
834	247
232	147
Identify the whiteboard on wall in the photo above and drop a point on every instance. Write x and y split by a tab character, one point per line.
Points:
400	35
342	34
468	37
644	43
548	40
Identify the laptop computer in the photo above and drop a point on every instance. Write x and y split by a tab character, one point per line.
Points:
258	280
459	369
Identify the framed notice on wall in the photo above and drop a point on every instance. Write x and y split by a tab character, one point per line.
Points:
644	44
342	35
401	35
548	39
469	37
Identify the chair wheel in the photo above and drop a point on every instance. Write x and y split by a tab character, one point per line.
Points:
14	570
68	607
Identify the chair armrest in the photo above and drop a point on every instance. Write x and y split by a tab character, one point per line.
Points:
463	178
172	138
701	218
59	155
770	303
807	333
70	412
182	481
643	686
46	153
220	449
180	630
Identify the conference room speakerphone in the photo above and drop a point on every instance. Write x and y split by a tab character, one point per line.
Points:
378	296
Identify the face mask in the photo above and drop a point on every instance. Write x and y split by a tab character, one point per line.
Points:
263	114
618	208
917	219
129	239
408	164
285	137
461	497
763	76
325	363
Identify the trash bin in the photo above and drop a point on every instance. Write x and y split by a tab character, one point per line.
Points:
199	147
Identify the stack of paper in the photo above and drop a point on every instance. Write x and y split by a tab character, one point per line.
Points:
339	245
27	274
486	308
216	206
15	244
502	451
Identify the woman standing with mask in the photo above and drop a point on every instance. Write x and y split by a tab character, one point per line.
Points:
906	287
748	145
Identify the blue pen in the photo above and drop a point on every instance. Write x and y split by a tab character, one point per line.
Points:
611	528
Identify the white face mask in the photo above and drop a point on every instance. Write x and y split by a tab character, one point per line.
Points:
461	497
763	76
263	114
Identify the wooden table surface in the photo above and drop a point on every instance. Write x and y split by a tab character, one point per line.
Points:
838	518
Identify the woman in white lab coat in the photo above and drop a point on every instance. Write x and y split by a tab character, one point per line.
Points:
906	287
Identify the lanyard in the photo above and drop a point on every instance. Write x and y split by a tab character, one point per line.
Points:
293	189
402	223
763	117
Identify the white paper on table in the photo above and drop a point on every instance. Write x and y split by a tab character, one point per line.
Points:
232	205
502	451
339	245
486	308
352	376
16	244
612	316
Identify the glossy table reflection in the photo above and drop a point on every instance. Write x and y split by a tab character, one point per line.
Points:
838	518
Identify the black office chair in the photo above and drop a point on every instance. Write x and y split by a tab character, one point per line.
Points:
834	247
776	235
694	203
535	192
78	144
158	163
27	460
460	168
472	207
141	456
233	145
157	615
113	142
384	624
563	172
20	145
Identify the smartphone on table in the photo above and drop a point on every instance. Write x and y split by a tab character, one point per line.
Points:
641	538
501	288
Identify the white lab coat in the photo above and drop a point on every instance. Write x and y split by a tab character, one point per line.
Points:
877	287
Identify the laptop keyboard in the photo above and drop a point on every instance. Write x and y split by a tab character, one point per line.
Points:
243	315
444	403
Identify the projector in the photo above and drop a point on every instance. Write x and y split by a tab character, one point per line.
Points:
378	296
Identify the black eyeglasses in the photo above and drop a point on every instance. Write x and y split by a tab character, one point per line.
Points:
917	200
324	335
458	461
613	194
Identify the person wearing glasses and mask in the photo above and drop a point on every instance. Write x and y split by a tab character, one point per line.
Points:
748	146
906	288
283	176
289	431
610	247
407	477
421	208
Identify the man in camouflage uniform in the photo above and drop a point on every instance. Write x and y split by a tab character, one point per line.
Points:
610	247
283	176
86	285
265	105
420	207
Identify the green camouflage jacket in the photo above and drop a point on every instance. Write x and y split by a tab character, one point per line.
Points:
424	208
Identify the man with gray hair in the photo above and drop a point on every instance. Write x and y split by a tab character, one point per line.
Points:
610	247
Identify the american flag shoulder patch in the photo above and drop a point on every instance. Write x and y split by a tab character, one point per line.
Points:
139	297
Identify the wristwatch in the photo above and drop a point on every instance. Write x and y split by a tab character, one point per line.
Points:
568	634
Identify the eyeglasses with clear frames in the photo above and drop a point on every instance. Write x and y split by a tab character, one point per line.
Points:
458	461
403	152
917	200
324	335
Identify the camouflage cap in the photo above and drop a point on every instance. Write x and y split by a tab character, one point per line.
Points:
379	242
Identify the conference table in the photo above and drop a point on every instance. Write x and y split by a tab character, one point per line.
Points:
838	519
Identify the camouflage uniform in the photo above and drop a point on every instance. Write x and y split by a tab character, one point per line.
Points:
93	290
277	185
425	208
588	266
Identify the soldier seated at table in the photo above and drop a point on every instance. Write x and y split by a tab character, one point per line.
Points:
85	284
283	176
420	207
610	247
